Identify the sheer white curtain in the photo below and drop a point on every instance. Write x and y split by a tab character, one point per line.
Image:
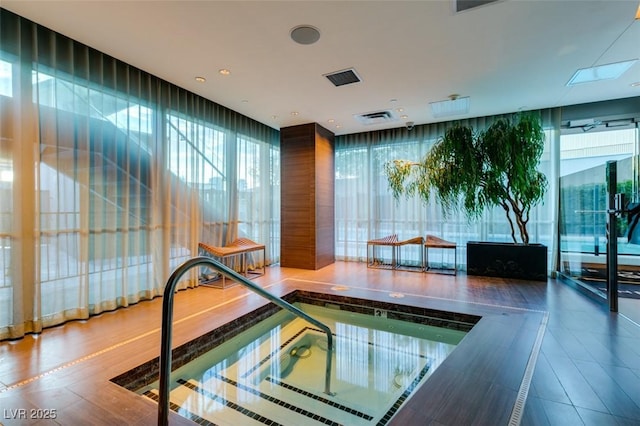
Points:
365	208
111	178
258	168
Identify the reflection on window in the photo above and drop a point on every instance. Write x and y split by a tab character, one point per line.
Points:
583	203
582	151
6	79
583	185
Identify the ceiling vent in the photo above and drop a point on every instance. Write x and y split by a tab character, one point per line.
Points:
376	117
340	78
462	5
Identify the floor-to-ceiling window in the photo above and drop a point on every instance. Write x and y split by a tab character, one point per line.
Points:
366	209
110	177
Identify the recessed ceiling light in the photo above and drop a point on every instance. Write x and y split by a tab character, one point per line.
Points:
224	71
305	34
331	120
600	72
400	109
635	84
404	117
294	113
201	79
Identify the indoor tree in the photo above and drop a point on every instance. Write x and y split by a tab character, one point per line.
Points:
474	171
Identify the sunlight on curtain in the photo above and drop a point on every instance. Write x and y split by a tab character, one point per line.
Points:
130	174
258	210
95	152
365	208
197	160
9	131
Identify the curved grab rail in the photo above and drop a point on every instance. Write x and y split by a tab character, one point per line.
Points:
167	323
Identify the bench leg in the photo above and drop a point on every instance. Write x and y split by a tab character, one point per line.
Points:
442	270
371	260
258	271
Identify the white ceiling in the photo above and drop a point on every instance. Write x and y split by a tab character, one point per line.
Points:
506	56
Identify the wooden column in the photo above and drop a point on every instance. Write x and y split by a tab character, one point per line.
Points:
307	197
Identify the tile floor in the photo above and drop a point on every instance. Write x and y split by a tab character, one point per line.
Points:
586	370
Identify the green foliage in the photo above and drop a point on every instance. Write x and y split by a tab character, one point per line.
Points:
474	171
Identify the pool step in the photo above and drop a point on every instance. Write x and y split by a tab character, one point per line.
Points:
223	401
280	381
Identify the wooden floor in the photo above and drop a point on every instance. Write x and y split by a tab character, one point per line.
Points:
543	353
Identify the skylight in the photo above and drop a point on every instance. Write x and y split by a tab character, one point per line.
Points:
600	72
453	106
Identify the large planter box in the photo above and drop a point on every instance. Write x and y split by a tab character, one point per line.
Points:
507	260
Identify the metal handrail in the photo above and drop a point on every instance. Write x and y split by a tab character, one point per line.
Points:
167	322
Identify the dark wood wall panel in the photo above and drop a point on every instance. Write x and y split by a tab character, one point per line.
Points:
307	197
325	185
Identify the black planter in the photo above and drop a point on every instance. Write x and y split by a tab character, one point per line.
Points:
507	260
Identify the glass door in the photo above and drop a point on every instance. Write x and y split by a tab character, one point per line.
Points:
583	206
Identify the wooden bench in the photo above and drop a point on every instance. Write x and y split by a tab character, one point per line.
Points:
372	245
239	249
395	244
434	242
411	241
